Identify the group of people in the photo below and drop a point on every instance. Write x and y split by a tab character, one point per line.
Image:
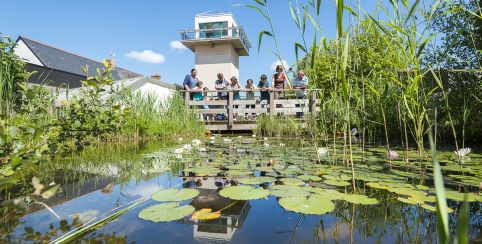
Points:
278	83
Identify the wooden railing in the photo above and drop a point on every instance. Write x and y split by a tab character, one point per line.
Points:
241	113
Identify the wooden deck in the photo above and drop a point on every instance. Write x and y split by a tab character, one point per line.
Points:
241	113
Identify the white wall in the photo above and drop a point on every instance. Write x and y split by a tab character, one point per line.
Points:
25	53
211	60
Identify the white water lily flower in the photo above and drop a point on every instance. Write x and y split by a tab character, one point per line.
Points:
187	147
179	156
212	142
180	139
321	151
392	155
196	142
281	144
178	151
254	136
266	145
212	138
227	140
463	152
266	138
202	149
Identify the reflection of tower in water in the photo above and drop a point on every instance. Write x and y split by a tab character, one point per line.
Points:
232	218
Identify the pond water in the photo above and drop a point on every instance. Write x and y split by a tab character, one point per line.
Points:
270	180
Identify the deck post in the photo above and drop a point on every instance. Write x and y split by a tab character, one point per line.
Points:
312	103
230	110
187	98
271	103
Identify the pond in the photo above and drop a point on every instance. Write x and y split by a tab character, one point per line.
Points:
257	190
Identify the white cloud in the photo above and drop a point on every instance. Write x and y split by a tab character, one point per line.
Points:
277	62
177	46
147	56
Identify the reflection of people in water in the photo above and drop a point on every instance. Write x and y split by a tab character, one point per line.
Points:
199	183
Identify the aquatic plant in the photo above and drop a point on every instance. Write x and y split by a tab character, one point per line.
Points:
463	152
165	212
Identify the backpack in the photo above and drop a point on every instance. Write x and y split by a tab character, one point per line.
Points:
220	117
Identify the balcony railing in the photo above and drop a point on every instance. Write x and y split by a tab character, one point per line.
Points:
217	33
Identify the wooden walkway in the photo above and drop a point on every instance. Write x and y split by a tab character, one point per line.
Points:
241	114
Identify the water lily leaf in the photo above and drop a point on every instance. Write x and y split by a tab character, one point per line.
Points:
292	182
244	193
410	200
311	205
376	185
165	212
434	209
256	180
423	188
309	178
206	214
459	196
405	191
174	195
264	169
330	194
336	182
238	172
289	191
359	199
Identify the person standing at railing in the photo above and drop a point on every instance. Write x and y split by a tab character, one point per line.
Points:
264	87
250	95
235	87
278	82
190	82
221	85
300	83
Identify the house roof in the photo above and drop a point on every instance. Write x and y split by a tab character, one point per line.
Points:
132	84
58	59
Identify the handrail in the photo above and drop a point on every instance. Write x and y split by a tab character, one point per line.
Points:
239	30
252	90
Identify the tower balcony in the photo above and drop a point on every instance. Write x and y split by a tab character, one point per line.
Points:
234	35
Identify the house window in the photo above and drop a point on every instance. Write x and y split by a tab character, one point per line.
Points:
213	29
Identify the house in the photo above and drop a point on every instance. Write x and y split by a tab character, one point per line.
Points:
144	85
56	68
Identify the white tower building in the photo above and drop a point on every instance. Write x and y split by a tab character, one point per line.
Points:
217	42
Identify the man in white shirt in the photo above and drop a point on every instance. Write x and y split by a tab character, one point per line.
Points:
300	84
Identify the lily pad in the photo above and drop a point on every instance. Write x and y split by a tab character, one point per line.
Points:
206	214
292	182
333	182
376	185
311	205
288	191
359	199
309	178
410	200
434	209
165	212
174	195
256	180
244	193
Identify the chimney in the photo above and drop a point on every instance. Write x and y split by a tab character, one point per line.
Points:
156	77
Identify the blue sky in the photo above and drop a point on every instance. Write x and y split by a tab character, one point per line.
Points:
97	29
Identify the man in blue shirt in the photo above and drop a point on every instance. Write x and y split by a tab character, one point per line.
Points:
190	81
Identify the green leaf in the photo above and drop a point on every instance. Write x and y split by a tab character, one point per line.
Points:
336	182
166	212
259	11
339	17
260	2
256	180
206	214
359	199
292	182
244	193
442	217
174	195
312	205
50	192
260	39
288	191
463	225
295	16
412	10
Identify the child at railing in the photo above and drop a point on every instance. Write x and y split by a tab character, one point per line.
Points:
198	96
264	87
